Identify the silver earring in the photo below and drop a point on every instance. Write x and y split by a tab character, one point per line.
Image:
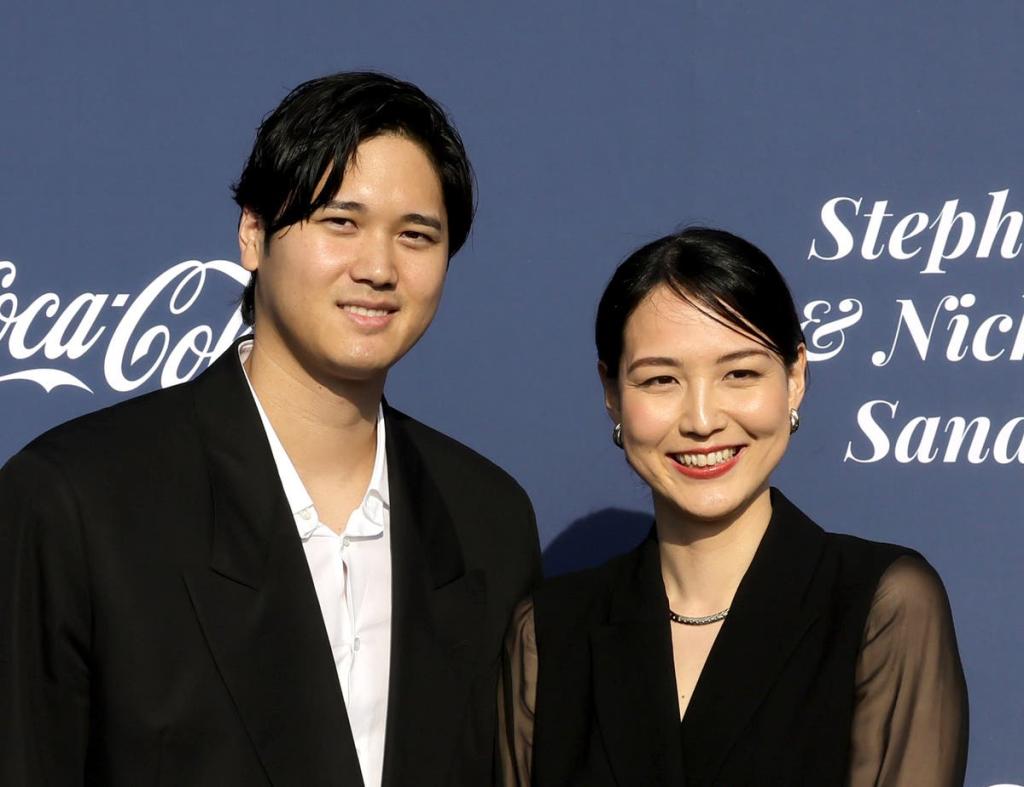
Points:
617	435
794	420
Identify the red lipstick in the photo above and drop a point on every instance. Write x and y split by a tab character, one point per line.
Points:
707	472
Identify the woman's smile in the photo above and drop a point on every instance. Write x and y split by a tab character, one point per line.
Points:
706	463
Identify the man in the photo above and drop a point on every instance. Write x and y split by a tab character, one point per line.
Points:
267	575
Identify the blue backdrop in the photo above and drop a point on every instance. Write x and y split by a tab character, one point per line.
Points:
872	149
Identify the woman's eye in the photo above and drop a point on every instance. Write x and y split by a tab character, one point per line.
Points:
742	374
661	379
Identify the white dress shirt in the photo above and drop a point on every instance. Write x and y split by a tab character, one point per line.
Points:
352	576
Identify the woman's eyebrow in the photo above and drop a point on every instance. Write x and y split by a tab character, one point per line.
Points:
739	355
652	361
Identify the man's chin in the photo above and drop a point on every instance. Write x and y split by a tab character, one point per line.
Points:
364	372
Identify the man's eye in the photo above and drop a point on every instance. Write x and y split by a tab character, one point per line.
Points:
418	237
340	221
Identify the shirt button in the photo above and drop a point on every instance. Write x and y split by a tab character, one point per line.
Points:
355	645
306	514
345	542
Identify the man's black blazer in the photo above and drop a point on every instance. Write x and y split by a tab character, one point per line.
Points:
158	622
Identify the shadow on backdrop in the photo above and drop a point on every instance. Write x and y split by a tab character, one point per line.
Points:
593	539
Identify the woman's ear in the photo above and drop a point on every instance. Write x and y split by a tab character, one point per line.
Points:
250	240
612	400
797	377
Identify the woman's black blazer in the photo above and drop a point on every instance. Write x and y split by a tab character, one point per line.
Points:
837	662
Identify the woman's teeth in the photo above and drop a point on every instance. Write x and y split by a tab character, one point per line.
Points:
706	460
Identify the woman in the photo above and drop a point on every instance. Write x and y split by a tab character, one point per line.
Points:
740	644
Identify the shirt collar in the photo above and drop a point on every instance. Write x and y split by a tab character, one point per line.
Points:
376	500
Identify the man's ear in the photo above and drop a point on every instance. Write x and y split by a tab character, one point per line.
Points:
612	400
250	240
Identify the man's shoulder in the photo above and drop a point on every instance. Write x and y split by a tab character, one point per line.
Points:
146	421
490	511
447	458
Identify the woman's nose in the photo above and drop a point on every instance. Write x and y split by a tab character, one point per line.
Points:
701	414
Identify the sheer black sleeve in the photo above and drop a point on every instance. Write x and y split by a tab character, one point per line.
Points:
910	714
517	694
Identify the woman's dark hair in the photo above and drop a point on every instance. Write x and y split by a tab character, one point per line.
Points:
725	275
316	130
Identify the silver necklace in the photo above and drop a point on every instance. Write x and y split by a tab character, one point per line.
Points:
701	621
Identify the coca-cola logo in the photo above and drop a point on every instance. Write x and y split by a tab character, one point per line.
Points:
49	332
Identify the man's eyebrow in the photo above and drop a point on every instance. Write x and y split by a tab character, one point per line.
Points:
652	361
426	221
739	355
338	204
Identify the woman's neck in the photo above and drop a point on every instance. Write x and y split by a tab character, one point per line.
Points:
703	562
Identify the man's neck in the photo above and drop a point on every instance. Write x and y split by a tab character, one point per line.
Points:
327	427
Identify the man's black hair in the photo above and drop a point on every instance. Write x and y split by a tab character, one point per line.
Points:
315	131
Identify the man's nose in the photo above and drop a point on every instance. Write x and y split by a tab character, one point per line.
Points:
375	262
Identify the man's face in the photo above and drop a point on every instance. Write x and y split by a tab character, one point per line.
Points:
349	291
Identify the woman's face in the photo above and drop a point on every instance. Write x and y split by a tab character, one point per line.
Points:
704	409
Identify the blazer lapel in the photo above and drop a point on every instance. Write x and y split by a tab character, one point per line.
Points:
634	679
437	612
769	616
256	602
